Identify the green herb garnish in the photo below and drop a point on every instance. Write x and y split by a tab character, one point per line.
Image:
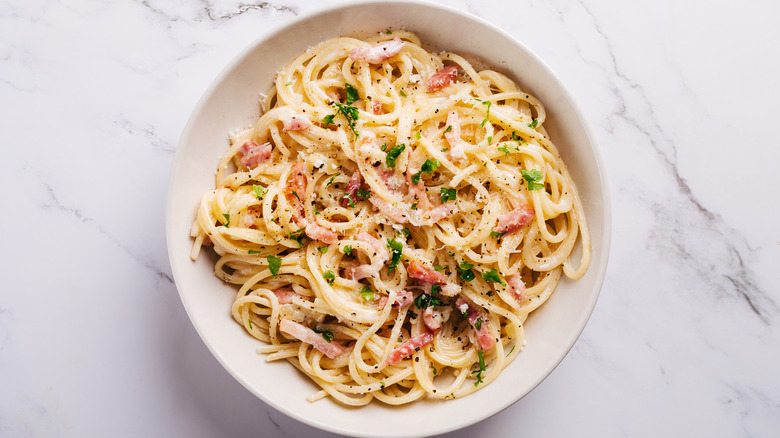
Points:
393	155
438	268
396	248
533	177
424	300
533	124
330	181
363	194
329	276
449	128
299	236
348	250
487	113
428	166
322	249
254	251
480	370
492	276
497	234
448	194
478	323
274	263
367	293
352	94
401	92
328	335
259	191
418	135
466	274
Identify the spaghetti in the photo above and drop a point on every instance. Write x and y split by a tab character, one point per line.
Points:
392	219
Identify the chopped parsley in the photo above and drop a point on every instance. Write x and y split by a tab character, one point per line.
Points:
516	138
401	92
274	263
249	320
348	250
508	147
433	368
328	335
253	251
414	206
424	300
349	199
349	112
389	32
396	248
490	139
227	218
449	128
487	113
533	124
480	370
406	232
492	276
466	274
367	293
383	147
329	276
418	135
478	324
299	236
497	234
259	191
429	166
363	194
296	195
393	155
438	268
448	194
322	249
352	94
533	177
330	181
288	84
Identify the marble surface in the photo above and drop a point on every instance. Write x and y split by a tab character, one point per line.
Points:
682	97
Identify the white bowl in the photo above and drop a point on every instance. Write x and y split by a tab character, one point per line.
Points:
232	102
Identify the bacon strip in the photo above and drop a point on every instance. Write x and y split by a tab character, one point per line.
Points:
378	53
285	295
403	298
317	232
484	335
418	271
296	190
441	78
408	347
433	319
456	153
515	219
253	154
296	123
516	287
299	331
352	188
395	214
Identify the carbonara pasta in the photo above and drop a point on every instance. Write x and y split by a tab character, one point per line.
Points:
391	220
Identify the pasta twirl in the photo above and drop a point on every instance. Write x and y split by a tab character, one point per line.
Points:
391	220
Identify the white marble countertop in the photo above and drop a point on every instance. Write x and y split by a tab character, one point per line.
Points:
682	97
